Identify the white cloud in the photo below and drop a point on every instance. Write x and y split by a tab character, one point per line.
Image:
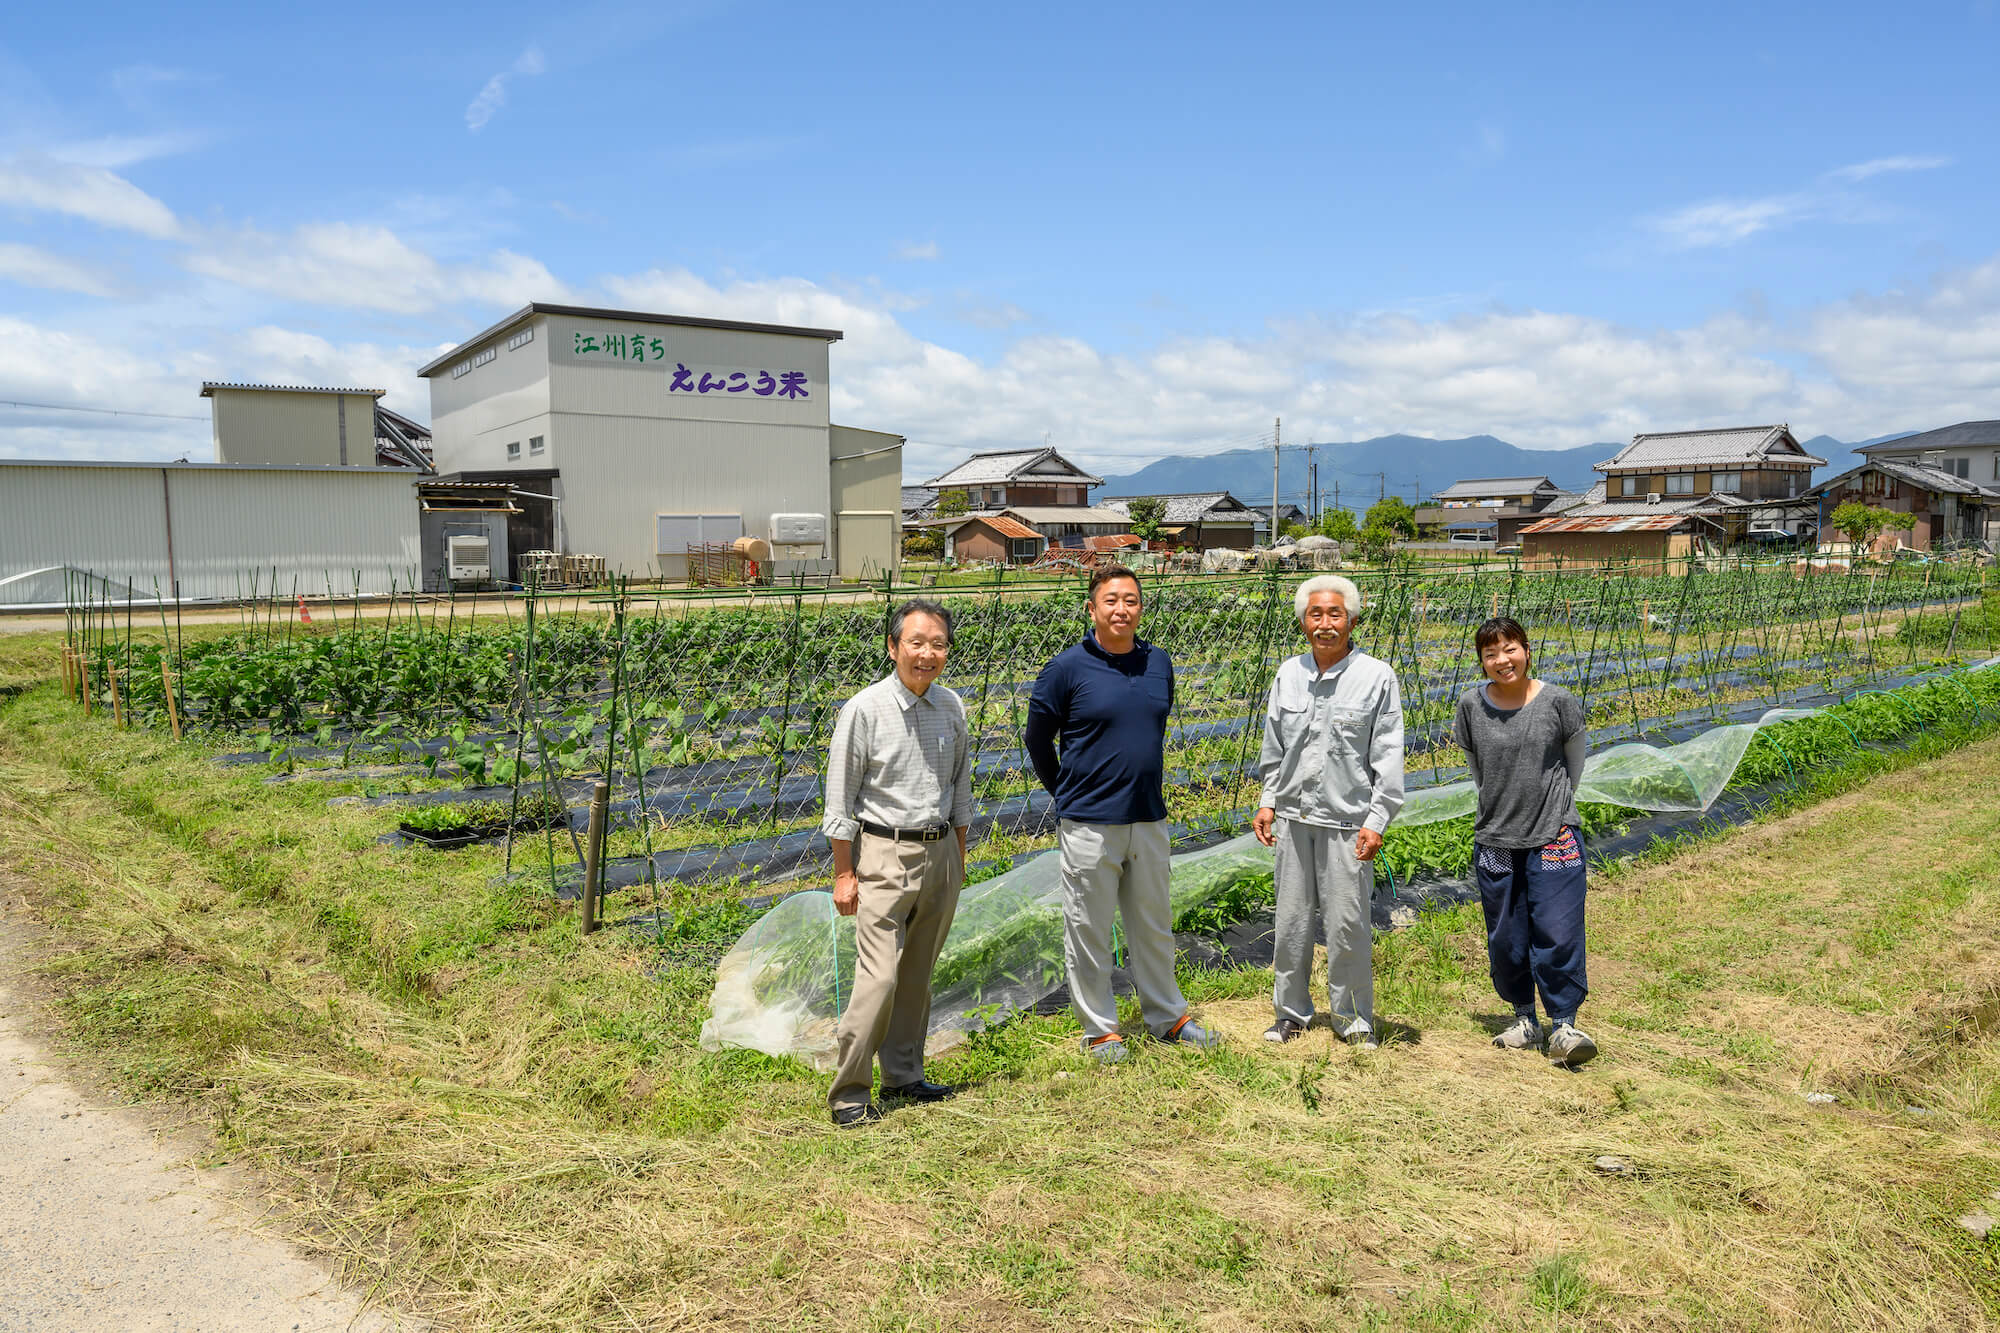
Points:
1727	221
494	95
366	267
41	364
115	152
34	267
40	182
912	250
1723	222
1861	171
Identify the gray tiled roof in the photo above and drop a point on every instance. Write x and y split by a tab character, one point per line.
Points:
1966	434
1001	466
1483	488
1677	504
917	498
1695	448
1202	507
1935	480
1569	500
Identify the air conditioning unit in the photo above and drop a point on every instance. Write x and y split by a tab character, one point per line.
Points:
1653	497
470	559
798	529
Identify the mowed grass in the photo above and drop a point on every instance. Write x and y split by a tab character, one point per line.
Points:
486	1117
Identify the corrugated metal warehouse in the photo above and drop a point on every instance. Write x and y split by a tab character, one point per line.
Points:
204	528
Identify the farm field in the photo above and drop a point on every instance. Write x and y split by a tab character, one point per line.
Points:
490	1118
709	721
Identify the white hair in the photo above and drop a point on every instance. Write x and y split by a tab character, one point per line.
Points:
1350	596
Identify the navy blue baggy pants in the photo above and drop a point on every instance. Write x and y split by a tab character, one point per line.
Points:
1533	901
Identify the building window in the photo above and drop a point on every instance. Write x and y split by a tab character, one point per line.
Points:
535	444
1680	483
521	339
1791	485
485	356
992	497
513	450
1629	485
1727	483
1961	468
1026	549
462	368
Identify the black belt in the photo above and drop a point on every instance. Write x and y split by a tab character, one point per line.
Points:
931	833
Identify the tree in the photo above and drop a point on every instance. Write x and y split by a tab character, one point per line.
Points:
1339	524
1148	515
1292	531
950	504
1376	540
1391	512
923	543
1863	523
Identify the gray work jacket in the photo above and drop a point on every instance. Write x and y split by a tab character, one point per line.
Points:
1333	743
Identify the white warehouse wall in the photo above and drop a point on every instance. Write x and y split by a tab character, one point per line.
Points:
312	525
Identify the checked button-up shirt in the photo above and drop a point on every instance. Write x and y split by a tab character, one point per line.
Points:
898	758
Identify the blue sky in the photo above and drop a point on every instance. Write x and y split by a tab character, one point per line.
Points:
1130	230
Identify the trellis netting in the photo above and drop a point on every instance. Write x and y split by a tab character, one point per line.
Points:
782	986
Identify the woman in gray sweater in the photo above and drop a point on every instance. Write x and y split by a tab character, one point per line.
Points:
1524	742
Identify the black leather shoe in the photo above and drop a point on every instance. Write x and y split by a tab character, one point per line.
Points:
850	1117
922	1090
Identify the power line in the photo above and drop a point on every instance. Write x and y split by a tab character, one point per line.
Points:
106	411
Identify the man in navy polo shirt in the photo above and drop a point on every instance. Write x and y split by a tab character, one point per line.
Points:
1105	701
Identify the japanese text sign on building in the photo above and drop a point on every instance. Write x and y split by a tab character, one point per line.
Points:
634	349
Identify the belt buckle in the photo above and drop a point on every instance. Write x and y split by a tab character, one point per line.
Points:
933	834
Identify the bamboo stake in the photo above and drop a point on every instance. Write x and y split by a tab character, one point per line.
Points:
117	704
167	684
593	855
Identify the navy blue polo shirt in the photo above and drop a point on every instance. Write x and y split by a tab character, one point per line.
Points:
1109	713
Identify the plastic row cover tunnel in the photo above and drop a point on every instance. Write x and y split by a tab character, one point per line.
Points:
782	986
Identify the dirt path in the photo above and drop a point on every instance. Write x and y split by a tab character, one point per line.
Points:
107	1226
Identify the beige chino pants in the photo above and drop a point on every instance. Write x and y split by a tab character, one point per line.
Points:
909	891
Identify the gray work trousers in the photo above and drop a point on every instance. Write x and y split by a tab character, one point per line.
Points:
1118	869
1324	892
909	891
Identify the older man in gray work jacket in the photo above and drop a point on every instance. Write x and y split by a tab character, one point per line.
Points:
898	801
1332	765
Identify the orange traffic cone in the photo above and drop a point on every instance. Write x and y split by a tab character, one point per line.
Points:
305	616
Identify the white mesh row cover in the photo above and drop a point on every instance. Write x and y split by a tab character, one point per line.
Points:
781	987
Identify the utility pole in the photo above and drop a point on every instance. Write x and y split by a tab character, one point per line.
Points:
1381	485
1277	427
1312	488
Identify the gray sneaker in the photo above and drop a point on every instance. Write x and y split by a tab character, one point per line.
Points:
1105	1050
1190	1033
1523	1035
1570	1046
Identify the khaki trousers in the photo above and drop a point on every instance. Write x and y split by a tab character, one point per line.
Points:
909	891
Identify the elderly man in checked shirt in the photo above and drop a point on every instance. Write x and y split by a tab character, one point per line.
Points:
898	801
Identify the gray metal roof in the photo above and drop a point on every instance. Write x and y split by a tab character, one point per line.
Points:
1936	480
1059	514
534	308
181	466
1198	507
1000	466
1482	488
1696	448
208	388
1965	435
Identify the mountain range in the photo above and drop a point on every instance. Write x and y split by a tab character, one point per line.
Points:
1414	467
